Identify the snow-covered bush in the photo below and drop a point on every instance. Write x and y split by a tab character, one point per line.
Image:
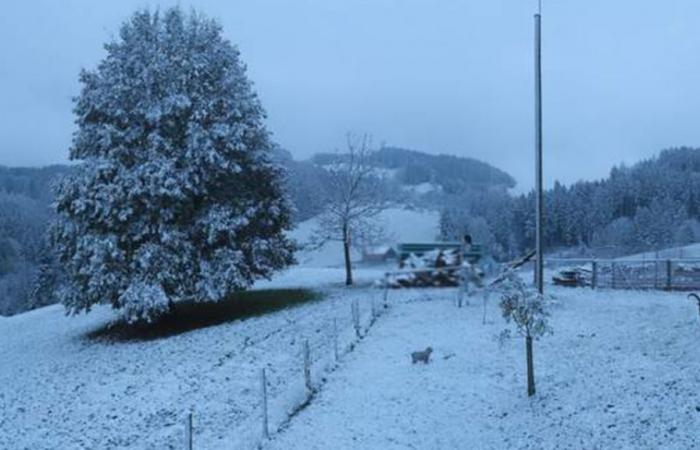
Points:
177	198
527	309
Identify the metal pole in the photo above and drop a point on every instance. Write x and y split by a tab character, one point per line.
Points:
539	214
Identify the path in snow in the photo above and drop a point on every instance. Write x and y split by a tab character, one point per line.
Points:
621	371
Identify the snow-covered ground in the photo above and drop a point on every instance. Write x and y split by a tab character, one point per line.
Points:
621	372
60	389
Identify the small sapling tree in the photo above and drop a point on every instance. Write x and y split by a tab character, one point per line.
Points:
527	310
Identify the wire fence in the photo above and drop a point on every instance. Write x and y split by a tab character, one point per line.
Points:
315	356
663	274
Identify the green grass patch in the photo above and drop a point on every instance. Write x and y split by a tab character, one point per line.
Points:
188	316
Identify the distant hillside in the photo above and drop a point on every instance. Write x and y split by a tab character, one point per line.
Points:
31	182
452	173
25	195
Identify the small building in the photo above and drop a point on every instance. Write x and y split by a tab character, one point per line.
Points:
378	254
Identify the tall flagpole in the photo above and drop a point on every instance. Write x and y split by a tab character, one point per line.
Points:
539	214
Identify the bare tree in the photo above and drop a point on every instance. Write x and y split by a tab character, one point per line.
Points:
355	198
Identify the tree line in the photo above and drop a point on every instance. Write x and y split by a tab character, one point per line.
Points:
650	205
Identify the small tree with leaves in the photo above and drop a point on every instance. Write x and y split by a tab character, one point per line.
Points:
355	198
527	309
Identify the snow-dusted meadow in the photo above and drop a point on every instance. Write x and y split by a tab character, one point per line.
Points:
620	371
60	389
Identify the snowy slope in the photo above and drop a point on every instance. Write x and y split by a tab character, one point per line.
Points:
60	389
401	225
620	372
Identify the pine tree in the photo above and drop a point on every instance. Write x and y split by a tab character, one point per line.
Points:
177	198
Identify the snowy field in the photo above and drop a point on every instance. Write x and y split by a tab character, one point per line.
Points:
621	372
60	389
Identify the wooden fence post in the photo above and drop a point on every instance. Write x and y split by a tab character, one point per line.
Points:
594	274
263	379
669	274
188	431
307	365
612	274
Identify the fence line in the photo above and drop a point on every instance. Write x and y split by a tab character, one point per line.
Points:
632	273
343	342
289	403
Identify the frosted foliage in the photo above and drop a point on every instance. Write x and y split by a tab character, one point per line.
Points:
523	306
143	301
177	197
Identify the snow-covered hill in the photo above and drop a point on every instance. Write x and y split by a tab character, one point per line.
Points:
61	389
620	371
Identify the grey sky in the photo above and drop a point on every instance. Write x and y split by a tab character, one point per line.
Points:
621	78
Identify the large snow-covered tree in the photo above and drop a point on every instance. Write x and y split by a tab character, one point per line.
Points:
176	197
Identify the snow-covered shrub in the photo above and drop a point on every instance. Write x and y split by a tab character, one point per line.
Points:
177	198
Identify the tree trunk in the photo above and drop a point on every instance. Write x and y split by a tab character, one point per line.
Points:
346	251
530	367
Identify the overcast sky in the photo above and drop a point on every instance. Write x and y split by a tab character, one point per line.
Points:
621	79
